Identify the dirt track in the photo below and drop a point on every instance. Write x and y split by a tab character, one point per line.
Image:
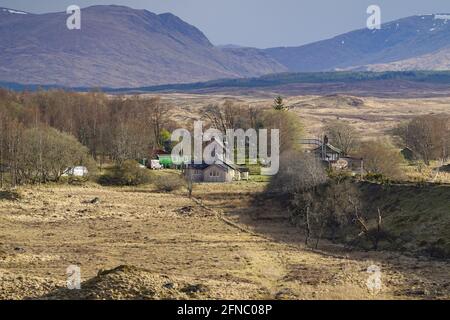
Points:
176	248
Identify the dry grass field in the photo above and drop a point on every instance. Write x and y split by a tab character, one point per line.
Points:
137	243
371	116
162	245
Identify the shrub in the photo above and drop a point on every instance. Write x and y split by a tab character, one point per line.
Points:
77	181
127	174
169	183
375	177
381	158
10	195
339	175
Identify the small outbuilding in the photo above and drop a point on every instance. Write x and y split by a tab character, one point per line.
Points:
78	171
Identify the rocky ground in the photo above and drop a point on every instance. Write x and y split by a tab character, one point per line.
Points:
140	244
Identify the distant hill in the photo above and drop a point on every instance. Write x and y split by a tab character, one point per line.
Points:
282	79
362	83
117	47
413	43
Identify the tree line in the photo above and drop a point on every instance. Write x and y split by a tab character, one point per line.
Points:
43	132
426	137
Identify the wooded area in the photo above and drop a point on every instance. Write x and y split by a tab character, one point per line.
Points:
42	132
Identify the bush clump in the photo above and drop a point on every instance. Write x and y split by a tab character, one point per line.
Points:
10	195
169	183
376	178
77	181
127	174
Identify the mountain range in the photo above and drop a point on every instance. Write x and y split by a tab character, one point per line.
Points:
413	43
117	46
122	47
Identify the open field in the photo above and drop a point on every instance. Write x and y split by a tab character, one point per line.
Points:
170	246
371	116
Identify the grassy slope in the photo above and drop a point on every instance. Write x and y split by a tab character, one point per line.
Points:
418	218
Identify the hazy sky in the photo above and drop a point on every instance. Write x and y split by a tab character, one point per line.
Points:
260	23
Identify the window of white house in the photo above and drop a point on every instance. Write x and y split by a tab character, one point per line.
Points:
214	174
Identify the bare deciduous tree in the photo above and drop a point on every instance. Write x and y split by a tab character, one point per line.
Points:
157	111
427	136
343	136
228	115
45	153
300	176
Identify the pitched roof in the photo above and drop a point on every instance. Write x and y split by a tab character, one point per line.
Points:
202	166
329	146
224	165
232	165
157	152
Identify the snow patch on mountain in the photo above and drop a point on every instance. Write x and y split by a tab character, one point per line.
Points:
442	16
12	11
